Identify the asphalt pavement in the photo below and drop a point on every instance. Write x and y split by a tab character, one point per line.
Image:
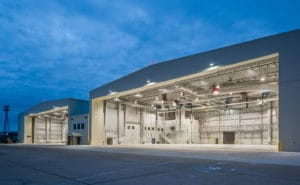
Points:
67	165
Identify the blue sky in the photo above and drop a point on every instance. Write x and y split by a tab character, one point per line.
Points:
51	49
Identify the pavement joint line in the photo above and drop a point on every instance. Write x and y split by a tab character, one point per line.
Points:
128	169
46	172
141	175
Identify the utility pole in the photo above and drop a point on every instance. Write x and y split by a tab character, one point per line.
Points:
6	125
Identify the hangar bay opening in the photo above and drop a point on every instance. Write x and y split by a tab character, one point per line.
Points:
235	104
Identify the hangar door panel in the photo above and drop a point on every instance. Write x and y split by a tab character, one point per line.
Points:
39	131
55	131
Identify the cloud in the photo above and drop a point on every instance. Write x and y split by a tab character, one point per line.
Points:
56	49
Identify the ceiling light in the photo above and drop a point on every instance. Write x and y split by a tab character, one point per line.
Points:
216	89
138	95
181	94
135	102
112	92
262	79
156	98
149	83
117	99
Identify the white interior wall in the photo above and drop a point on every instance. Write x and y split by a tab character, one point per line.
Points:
251	125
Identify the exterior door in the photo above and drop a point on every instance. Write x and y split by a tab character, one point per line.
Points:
228	137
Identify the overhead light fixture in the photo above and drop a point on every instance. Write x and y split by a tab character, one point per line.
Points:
152	105
213	67
117	99
156	98
138	95
216	89
262	79
135	102
112	92
149	83
260	102
181	94
250	72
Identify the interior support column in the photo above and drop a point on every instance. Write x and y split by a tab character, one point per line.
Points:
118	123
141	126
46	127
155	128
32	129
219	129
124	123
104	115
49	121
179	109
239	126
271	123
262	124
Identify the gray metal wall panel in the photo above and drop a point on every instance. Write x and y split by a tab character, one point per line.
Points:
286	44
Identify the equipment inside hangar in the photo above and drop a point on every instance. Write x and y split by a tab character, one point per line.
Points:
234	104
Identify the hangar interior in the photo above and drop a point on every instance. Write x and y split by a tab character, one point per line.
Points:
235	104
49	126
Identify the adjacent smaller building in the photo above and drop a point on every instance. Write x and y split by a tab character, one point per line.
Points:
59	121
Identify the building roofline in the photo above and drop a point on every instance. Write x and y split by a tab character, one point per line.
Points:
196	54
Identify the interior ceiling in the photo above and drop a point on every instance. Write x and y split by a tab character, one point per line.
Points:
58	114
244	84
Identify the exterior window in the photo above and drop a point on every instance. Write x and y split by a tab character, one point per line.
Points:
152	128
82	125
74	126
128	127
132	127
148	128
78	126
162	129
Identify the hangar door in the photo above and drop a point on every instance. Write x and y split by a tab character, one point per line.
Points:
47	130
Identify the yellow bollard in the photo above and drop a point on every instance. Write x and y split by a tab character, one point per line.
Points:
279	147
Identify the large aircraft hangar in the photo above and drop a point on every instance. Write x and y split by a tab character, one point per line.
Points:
58	121
241	94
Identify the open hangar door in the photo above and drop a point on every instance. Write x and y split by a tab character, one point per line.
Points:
236	104
50	126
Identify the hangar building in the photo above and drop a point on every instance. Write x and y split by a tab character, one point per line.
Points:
58	121
241	94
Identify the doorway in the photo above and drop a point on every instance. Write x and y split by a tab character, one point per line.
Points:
228	137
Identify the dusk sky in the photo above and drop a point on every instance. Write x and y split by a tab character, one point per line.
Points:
52	49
